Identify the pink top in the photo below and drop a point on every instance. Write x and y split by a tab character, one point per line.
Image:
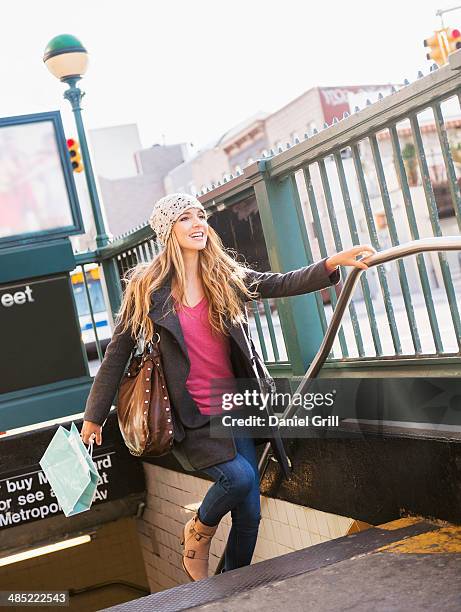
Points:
209	356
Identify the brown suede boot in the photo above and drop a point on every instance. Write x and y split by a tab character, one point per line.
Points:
196	540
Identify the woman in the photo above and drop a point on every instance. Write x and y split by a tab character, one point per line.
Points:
193	293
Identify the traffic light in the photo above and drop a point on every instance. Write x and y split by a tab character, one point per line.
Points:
442	43
438	45
454	40
75	157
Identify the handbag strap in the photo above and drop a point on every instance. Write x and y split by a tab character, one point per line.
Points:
140	346
155	340
147	349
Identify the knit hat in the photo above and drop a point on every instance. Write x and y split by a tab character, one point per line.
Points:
167	210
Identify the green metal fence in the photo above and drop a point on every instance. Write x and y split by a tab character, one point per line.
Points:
383	175
334	171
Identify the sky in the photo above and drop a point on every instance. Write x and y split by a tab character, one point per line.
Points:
189	70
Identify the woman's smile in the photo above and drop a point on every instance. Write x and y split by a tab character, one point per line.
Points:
197	236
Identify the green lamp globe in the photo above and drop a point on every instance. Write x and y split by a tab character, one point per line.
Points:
66	57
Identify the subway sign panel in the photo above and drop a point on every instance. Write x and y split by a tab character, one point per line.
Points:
28	497
41	341
25	494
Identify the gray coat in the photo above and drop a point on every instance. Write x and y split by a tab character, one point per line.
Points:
194	448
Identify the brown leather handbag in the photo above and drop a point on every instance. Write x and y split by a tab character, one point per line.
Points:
143	407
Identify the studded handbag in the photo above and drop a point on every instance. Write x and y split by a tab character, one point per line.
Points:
143	407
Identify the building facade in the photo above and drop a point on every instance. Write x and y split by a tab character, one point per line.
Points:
254	138
131	178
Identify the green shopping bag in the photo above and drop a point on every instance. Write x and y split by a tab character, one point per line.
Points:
70	470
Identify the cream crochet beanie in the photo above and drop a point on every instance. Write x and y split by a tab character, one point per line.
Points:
167	210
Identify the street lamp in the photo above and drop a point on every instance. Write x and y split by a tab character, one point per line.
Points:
67	59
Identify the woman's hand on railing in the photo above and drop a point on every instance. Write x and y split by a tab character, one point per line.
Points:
90	429
348	257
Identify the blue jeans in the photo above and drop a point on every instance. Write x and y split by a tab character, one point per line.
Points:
236	488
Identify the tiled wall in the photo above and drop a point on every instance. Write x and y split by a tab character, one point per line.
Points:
172	499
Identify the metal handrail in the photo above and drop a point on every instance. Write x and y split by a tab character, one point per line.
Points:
415	247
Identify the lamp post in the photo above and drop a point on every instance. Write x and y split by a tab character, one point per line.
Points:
67	59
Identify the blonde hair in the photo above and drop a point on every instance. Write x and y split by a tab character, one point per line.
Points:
222	279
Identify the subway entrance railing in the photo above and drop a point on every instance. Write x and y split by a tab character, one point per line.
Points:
416	247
